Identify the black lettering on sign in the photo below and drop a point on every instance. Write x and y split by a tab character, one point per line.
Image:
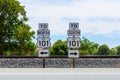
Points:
73	53
42	53
38	32
73	43
43	43
39	43
78	44
73	25
43	25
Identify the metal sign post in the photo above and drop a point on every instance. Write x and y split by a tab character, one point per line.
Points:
43	40
73	41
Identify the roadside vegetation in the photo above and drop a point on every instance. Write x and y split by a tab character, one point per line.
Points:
15	35
87	48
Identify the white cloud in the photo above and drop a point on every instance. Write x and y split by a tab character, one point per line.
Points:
101	27
84	9
77	10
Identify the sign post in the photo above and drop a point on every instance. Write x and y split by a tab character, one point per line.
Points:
43	40
73	41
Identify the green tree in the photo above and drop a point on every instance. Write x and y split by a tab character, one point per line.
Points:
59	48
118	50
88	47
113	51
104	50
15	35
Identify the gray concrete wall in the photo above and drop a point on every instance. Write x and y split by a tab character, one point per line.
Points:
59	63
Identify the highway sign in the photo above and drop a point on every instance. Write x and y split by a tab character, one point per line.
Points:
43	32
71	32
73	42
73	25
43	53
43	26
73	53
43	42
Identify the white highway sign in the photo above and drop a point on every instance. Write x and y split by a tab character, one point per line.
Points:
43	26
71	32
43	42
73	42
73	25
73	53
43	32
43	53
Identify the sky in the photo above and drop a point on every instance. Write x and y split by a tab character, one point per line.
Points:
99	20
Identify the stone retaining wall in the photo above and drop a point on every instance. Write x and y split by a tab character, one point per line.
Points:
21	63
59	63
98	63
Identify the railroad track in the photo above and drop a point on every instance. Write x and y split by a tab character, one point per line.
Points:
61	56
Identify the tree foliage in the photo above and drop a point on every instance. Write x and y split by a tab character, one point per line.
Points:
118	50
113	51
88	47
15	34
104	50
59	48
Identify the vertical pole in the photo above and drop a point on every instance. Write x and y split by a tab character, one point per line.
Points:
73	62
43	62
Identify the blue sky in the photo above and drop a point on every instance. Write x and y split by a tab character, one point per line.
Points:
99	20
